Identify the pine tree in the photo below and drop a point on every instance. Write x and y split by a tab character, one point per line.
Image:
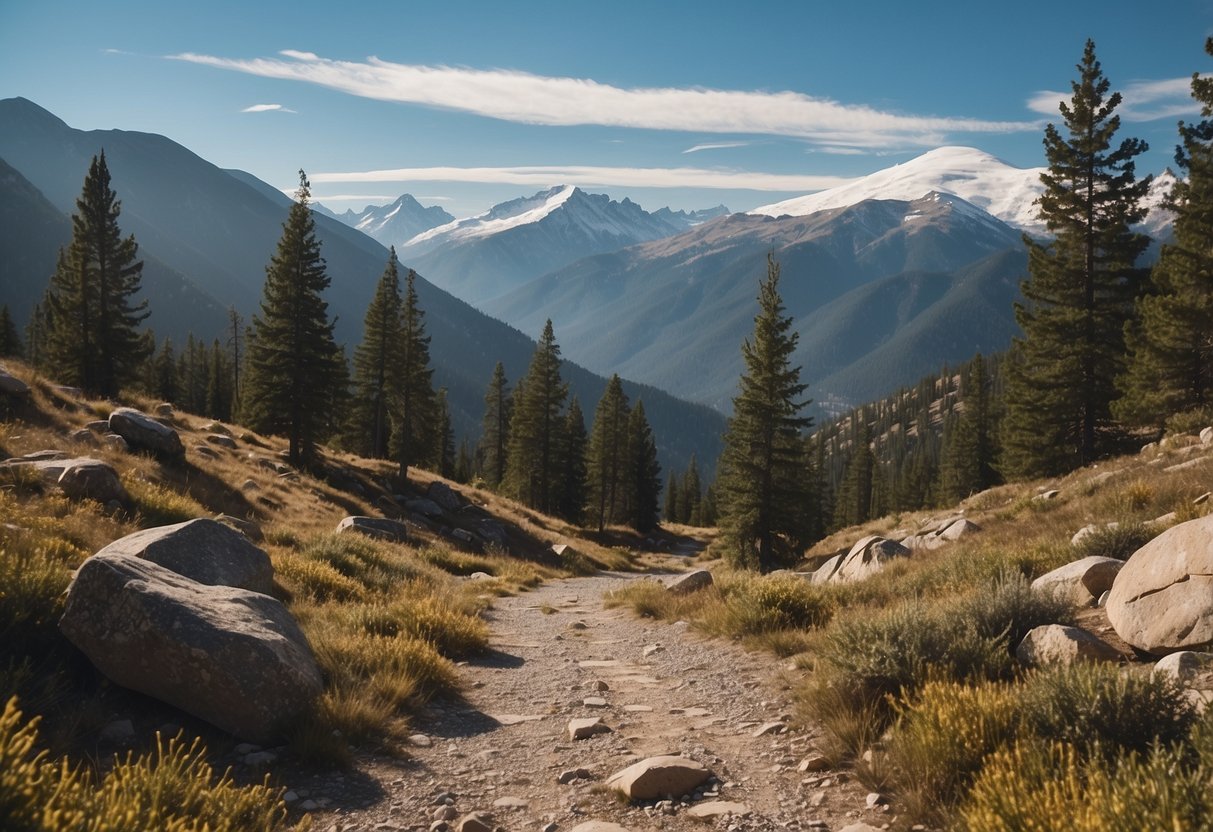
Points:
415	411
93	339
644	472
573	454
36	333
762	487
671	512
10	339
854	503
1081	288
376	380
444	437
234	339
464	463
533	462
165	384
293	360
690	495
606	459
219	392
969	453
1171	353
494	439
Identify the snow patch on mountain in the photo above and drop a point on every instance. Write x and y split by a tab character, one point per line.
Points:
499	218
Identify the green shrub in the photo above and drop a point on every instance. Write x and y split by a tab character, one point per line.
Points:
1008	609
1189	421
377	567
454	632
173	789
317	580
1099	705
156	505
1118	542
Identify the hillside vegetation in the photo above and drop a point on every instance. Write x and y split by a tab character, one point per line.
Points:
386	620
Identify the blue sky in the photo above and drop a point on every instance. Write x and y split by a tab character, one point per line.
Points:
674	103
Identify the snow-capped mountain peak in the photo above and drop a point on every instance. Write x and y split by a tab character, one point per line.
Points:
397	222
501	217
1000	189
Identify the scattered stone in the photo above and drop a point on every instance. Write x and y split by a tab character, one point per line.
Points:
867	557
217	427
116	442
1162	600
826	570
164	410
594	702
716	809
234	658
958	529
420	741
1202	499
445	496
599	826
1056	644
657	777
770	728
475	822
1045	496
144	433
492	532
1163	520
250	485
1090	529
91	479
1206	436
222	440
379	528
689	582
511	803
68	391
12	386
83	436
875	799
1192	670
426	508
206	451
1082	581
580	729
572	774
463	535
651	649
814	763
860	827
202	550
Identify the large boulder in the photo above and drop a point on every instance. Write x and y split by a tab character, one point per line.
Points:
1162	600
659	777
867	557
690	582
379	528
1082	581
234	658
445	496
958	529
80	477
826	570
12	386
1057	644
144	433
203	550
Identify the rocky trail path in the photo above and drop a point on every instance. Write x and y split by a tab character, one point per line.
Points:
556	655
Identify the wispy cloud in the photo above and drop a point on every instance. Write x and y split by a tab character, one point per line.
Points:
543	176
546	100
1142	100
267	108
842	151
716	146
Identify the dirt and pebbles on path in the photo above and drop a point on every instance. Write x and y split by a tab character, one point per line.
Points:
558	654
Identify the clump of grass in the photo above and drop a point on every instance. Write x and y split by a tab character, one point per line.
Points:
377	567
156	505
1117	542
316	580
454	562
759	605
173	788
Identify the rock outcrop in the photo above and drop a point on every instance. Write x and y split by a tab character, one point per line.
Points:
80	477
234	658
144	433
1162	600
379	528
689	582
1082	581
1057	644
867	557
203	550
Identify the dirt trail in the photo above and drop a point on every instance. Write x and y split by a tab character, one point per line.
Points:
668	691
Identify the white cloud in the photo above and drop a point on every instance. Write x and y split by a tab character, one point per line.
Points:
267	108
548	175
715	146
345	197
1142	100
545	100
842	151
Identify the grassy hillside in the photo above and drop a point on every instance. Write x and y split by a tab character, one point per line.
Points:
385	620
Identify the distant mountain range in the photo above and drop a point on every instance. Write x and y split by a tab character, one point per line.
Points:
397	223
881	292
483	257
206	235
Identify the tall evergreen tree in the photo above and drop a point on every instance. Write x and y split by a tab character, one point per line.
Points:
533	465
969	451
854	504
644	472
1171	352
762	485
165	383
93	338
1081	288
219	392
415	411
606	461
235	333
690	495
293	359
36	333
10	339
494	440
444	437
376	379
671	510
573	453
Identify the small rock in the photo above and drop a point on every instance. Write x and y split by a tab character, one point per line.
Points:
511	803
599	826
572	774
594	702
658	776
580	729
445	813
222	440
420	741
1057	644
875	799
651	649
601	685
309	806
718	808
814	763
690	582
770	728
